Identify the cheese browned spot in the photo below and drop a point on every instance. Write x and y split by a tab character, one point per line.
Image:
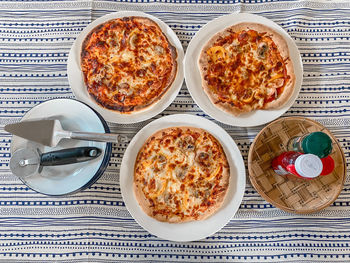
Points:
247	67
128	63
181	174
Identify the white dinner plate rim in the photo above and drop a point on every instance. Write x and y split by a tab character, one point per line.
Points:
107	149
194	82
182	231
76	82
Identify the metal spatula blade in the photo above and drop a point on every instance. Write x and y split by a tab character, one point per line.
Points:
41	131
50	132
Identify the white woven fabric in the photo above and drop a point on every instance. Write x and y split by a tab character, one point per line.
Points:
94	225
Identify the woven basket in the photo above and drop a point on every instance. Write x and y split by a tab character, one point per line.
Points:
289	192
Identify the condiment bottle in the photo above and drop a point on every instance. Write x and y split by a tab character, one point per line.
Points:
328	165
306	166
317	143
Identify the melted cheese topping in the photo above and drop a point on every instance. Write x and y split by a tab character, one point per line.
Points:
245	68
127	64
181	173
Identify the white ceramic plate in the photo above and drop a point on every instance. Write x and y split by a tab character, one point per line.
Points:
76	81
66	179
193	78
195	230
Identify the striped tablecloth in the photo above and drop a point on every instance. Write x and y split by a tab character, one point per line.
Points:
94	225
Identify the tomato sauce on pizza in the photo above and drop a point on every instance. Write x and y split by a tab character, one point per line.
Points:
247	67
128	64
181	174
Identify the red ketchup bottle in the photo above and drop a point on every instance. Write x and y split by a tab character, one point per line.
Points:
305	166
328	165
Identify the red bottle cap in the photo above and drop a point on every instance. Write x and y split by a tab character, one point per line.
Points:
328	165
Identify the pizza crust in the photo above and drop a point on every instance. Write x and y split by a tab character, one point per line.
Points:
146	205
284	52
129	109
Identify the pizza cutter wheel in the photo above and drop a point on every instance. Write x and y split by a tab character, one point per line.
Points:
26	162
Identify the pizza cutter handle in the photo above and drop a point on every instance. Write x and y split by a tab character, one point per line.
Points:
69	156
99	137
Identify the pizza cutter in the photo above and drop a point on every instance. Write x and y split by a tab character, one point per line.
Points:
26	162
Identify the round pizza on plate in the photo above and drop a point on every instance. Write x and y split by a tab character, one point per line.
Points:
247	67
181	174
128	64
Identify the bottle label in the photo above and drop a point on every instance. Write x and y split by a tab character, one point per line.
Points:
280	170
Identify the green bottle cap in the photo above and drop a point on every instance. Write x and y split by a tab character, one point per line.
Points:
317	143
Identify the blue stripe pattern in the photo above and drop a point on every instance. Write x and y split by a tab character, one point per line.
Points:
94	225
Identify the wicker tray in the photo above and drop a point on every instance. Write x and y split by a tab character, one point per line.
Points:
290	193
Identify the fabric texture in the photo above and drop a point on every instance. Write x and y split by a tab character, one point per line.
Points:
94	225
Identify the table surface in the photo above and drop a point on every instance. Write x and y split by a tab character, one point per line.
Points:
94	225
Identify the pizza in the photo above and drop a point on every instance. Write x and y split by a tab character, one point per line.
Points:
181	174
247	67
128	64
